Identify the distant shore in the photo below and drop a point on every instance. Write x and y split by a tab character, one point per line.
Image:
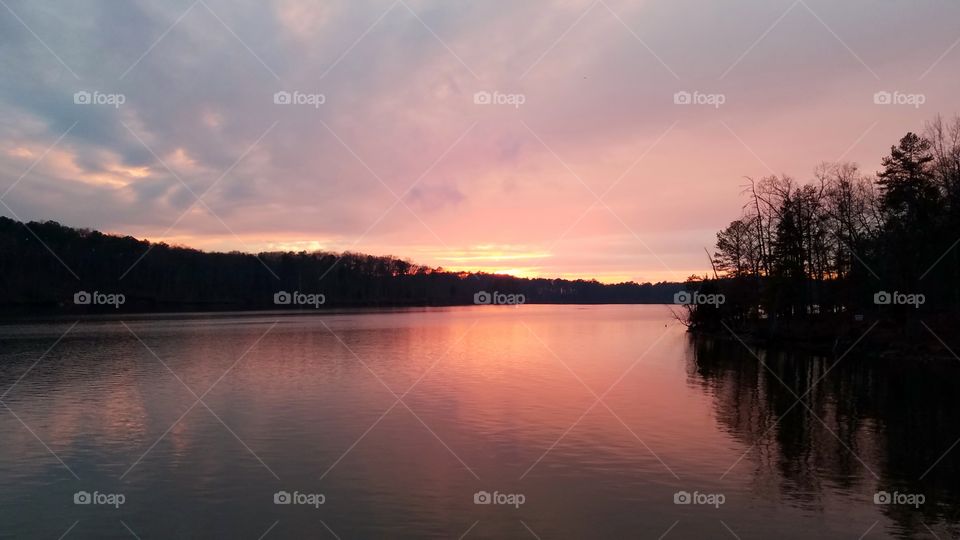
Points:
71	312
48	267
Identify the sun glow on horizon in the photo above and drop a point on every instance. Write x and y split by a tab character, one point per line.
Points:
490	259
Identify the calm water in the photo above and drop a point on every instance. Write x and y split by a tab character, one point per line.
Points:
492	399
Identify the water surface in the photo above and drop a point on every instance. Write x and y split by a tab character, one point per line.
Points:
596	415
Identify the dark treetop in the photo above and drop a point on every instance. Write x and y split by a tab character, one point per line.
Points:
159	277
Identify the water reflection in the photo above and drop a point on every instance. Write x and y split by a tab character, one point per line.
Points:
505	393
864	426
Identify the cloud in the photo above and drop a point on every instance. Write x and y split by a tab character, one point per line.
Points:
398	88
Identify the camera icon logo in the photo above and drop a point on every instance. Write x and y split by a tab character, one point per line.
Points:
82	98
282	298
682	98
82	497
682	497
282	497
482	98
881	497
482	497
682	297
282	98
482	298
882	298
82	298
883	98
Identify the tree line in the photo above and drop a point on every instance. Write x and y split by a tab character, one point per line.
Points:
846	247
44	264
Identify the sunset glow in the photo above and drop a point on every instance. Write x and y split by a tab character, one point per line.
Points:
474	269
565	152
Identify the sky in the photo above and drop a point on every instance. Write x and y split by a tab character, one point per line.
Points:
605	139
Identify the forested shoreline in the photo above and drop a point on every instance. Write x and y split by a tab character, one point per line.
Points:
845	254
44	264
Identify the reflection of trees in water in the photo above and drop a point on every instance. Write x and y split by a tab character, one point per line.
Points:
898	419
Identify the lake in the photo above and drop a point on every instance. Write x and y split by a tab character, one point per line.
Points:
530	421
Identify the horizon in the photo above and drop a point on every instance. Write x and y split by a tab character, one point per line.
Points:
342	253
608	141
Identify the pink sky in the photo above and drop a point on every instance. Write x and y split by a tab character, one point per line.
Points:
598	173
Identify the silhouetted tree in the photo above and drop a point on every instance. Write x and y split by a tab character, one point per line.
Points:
156	277
808	258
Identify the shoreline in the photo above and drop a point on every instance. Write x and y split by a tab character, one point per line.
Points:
876	342
8	318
